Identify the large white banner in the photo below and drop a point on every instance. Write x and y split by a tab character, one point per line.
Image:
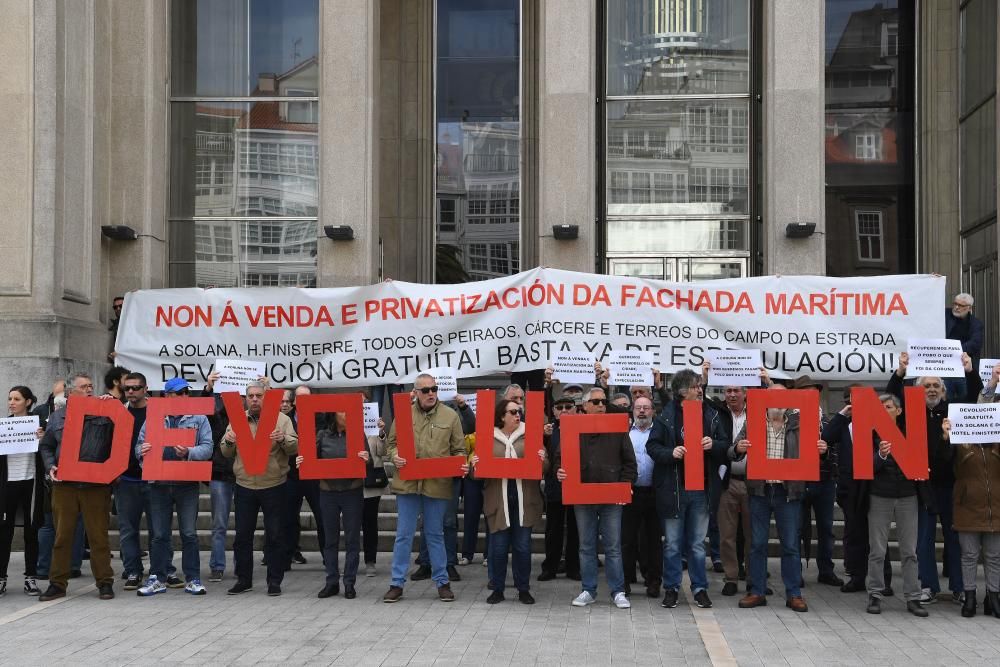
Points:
828	328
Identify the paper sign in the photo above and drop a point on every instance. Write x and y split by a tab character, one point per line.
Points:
868	416
734	368
447	382
527	467
986	369
17	435
371	418
974	424
759	466
71	468
573	367
424	468
575	491
630	367
940	357
236	374
349	467
154	468
470	400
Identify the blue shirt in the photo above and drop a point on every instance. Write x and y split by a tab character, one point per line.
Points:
645	464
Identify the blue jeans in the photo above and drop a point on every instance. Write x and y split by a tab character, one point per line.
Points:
408	507
787	517
163	499
131	500
606	520
516	538
350	505
472	492
714	540
821	496
450	530
685	536
47	539
249	503
926	538
380	392
222	503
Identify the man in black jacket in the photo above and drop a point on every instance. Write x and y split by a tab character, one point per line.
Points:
71	499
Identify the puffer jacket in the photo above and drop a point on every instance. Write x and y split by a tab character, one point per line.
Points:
977	489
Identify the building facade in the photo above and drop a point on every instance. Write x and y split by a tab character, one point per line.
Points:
451	139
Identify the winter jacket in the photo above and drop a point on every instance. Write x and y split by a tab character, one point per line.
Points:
95	443
668	472
529	491
436	433
793	488
331	444
277	461
977	489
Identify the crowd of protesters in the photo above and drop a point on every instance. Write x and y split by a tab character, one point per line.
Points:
665	529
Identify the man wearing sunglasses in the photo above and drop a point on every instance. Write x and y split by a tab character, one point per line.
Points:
437	432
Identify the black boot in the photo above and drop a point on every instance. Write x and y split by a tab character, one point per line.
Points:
970	604
992	604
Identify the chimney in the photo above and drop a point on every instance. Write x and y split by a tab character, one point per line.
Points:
267	83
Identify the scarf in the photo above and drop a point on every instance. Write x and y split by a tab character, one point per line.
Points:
511	453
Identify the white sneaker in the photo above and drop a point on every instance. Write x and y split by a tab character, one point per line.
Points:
194	587
926	597
485	564
153	586
583	599
31	587
370	570
463	561
620	601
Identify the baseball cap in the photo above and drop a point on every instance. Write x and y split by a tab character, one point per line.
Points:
174	385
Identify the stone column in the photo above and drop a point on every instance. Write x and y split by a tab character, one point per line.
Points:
349	166
567	117
793	168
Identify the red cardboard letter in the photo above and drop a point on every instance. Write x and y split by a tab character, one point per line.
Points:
254	448
441	466
527	467
759	466
154	468
71	468
313	467
869	416
576	492
694	460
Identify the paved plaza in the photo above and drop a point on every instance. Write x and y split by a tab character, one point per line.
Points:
297	628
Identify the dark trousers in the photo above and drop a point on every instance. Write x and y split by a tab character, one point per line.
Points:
295	491
369	528
348	505
560	524
642	537
69	501
856	547
820	496
248	503
17	496
472	493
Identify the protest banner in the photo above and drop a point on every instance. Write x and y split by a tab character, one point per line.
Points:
351	466
694	457
630	367
574	490
235	375
419	468
759	466
869	418
849	329
729	368
492	467
18	435
986	369
974	424
154	468
573	367
939	357
71	468
371	418
254	446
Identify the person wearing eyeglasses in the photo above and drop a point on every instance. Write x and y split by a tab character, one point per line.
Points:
961	325
604	457
437	432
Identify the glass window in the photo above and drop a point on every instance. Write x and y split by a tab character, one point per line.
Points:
978	53
677	47
239	48
647	236
869	233
978	140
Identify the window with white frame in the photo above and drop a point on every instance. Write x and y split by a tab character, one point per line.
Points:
869	233
868	146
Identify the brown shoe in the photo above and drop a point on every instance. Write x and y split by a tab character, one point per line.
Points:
751	601
445	594
797	604
393	594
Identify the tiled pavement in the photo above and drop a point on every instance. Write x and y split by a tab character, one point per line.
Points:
298	628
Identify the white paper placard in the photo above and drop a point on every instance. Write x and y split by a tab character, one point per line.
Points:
17	435
573	367
447	382
371	418
630	367
940	357
973	424
236	374
734	368
470	400
986	369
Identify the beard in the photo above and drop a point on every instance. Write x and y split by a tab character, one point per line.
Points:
643	422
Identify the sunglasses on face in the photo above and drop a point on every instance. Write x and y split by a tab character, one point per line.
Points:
514	413
562	407
598	401
428	390
136	387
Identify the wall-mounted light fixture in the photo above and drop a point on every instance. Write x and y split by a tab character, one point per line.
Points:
119	232
566	232
800	230
339	232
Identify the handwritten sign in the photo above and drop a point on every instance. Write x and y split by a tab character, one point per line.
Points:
940	357
734	368
573	367
986	369
973	424
236	374
371	418
630	367
17	435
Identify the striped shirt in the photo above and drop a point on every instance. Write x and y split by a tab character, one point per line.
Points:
20	467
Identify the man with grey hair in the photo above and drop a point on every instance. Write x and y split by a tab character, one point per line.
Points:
514	392
260	493
961	325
